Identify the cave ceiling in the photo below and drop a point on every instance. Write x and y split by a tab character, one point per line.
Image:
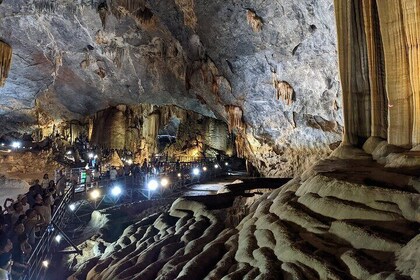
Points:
276	60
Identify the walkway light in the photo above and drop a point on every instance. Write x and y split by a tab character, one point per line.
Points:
58	238
196	171
116	191
72	207
16	144
216	166
87	166
45	263
90	155
164	182
95	194
130	162
226	163
204	169
152	185
69	152
179	175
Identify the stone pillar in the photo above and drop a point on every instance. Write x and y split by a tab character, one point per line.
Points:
400	121
411	17
354	73
378	97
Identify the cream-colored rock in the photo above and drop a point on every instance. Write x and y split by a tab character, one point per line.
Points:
360	238
409	203
372	143
344	210
408	258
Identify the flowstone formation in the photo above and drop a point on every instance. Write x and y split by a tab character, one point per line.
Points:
379	70
74	58
326	224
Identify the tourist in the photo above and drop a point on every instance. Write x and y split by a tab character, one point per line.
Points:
30	196
61	183
43	207
18	210
32	224
45	182
5	266
113	173
37	188
23	199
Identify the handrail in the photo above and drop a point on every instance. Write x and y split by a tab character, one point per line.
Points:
42	249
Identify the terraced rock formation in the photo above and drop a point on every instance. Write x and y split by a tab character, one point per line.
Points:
334	222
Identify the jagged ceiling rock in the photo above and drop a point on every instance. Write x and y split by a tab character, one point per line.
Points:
276	61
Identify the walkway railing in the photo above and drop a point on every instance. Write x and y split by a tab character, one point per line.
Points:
46	247
39	259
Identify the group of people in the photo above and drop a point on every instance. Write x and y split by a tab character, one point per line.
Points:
22	222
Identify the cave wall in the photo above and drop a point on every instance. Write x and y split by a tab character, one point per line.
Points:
135	128
380	55
275	61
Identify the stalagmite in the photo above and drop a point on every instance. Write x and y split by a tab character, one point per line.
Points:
5	61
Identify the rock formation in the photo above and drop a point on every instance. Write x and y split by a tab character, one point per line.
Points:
323	225
378	69
72	59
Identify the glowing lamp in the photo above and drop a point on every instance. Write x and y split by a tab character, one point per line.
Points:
16	145
116	191
152	185
95	194
196	171
204	169
72	207
45	263
164	182
58	238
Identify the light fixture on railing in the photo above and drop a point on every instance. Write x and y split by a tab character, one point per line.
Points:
72	207
58	238
196	171
116	191
179	175
152	185
95	194
216	166
204	169
45	263
164	182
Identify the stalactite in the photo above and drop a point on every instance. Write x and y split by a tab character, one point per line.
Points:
137	8
284	91
254	21
5	61
45	6
103	12
234	116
